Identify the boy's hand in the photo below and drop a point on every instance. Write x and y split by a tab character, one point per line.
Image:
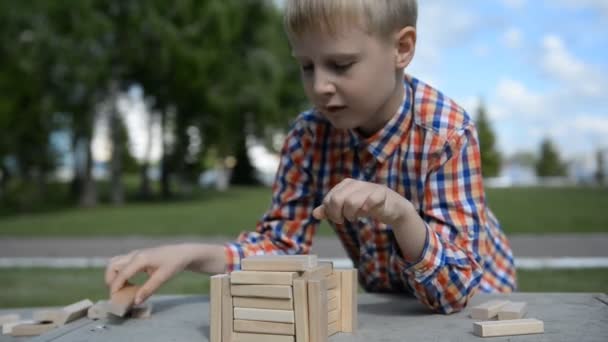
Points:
352	199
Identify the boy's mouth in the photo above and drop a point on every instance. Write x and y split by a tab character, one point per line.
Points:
334	109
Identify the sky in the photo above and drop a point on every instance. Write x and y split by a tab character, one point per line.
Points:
539	66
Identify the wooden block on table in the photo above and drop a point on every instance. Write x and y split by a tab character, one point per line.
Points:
10	318
262	278
227	311
512	310
332	328
317	310
333	316
333	281
508	327
300	298
348	300
122	300
99	310
50	315
293	263
333	304
323	269
333	293
215	307
263	303
141	311
273	328
74	311
264	291
488	309
281	316
246	337
32	329
7	328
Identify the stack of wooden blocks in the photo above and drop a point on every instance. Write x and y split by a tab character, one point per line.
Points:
282	298
509	321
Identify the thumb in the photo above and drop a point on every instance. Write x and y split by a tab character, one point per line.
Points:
319	213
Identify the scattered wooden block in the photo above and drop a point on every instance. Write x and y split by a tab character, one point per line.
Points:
348	300
262	278
74	311
488	309
99	310
323	269
215	308
265	291
246	337
508	327
317	310
122	300
332	328
273	328
264	303
7	328
51	315
280	316
300	298
10	318
512	310
141	311
293	263
333	281
32	329
227	312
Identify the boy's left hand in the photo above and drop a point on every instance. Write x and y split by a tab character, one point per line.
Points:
352	199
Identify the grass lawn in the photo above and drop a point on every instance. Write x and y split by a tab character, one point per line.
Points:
521	210
57	287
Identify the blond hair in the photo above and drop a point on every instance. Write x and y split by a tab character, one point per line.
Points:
381	17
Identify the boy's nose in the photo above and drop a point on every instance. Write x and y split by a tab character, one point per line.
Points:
323	84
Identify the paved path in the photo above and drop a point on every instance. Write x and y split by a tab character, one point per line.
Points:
537	246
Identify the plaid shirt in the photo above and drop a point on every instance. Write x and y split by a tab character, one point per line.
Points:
429	153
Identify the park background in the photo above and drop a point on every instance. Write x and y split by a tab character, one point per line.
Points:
156	119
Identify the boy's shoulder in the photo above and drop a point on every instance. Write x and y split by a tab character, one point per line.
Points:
436	112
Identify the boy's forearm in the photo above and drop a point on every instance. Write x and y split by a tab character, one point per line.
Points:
206	258
410	233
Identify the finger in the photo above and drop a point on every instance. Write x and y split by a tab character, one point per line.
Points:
375	205
156	280
354	200
135	265
319	213
334	201
114	266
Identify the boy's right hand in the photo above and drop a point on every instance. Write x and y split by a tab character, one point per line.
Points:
160	263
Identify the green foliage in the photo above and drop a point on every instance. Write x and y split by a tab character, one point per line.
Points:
490	157
549	163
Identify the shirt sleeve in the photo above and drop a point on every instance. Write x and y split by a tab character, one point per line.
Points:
288	225
453	209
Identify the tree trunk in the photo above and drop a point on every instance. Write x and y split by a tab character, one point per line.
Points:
88	196
144	183
117	195
165	177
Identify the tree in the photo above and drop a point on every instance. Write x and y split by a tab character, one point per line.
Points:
600	173
549	163
491	160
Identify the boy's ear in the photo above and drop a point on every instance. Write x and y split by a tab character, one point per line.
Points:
405	46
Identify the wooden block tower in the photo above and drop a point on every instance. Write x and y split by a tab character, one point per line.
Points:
276	298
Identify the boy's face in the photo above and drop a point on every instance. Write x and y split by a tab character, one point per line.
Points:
351	77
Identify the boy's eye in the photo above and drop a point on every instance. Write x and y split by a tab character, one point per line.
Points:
342	66
307	67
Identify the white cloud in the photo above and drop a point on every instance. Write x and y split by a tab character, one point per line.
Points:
513	38
514	99
514	4
591	124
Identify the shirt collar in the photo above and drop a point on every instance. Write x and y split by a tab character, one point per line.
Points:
383	143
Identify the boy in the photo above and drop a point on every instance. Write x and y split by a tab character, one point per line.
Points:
390	162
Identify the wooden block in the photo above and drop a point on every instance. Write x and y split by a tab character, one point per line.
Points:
281	316
488	309
333	281
99	310
265	291
273	328
227	311
245	337
333	316
52	315
215	308
513	310
317	310
74	311
293	263
323	269
10	318
7	328
262	278
332	328
333	293
263	303
508	327
300	298
32	329
332	304
348	300
141	311
122	300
